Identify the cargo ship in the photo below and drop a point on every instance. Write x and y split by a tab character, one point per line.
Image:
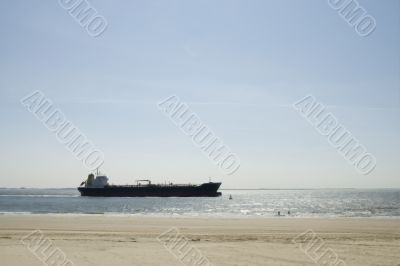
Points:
99	187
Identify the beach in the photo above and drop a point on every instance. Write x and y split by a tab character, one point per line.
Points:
138	240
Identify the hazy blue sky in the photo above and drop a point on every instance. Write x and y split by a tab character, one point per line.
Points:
238	64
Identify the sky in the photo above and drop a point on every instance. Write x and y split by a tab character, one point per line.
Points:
238	65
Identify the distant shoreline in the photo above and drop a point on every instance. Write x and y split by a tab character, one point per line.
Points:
378	188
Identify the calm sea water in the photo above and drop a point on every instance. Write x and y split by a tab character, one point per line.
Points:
245	203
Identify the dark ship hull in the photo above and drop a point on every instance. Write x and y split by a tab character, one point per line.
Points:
204	190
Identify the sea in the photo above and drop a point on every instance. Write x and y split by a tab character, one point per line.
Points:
244	203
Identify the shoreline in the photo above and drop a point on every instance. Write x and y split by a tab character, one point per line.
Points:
200	216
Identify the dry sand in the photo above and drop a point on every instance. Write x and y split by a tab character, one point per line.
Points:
119	241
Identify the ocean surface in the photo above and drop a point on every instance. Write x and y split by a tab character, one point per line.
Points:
244	203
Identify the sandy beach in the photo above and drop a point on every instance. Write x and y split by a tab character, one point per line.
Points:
117	240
